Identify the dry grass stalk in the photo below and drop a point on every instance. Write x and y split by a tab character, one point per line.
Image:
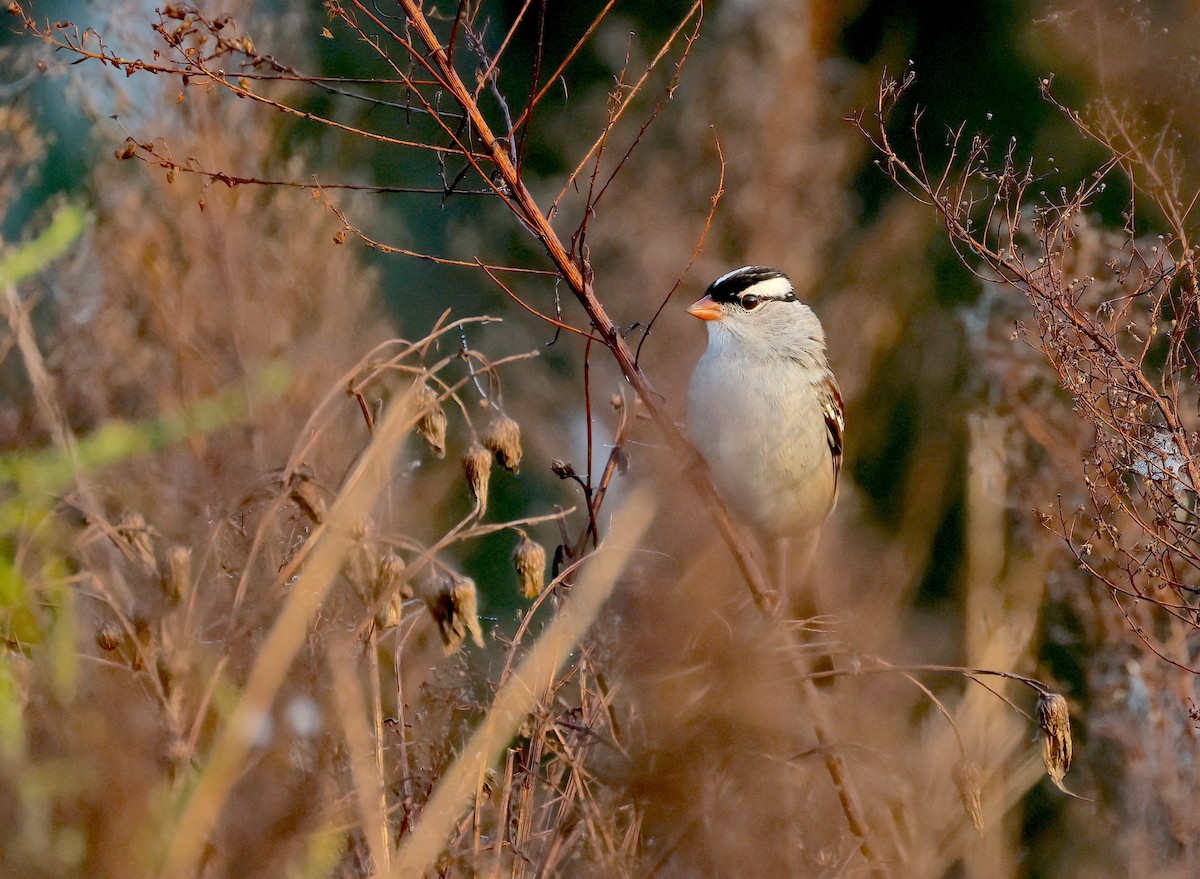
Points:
369	784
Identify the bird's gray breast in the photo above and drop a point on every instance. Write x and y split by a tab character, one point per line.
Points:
759	425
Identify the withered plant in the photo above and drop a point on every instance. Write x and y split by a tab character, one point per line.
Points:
1098	276
294	657
1114	316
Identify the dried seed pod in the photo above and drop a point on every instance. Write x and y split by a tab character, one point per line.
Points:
453	604
1054	721
489	784
392	612
970	788
477	467
387	585
503	437
109	637
432	423
136	534
529	559
176	574
561	469
361	564
388	573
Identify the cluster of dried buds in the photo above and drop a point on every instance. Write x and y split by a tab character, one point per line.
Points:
451	598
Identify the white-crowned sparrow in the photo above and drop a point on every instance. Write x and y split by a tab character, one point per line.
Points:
765	411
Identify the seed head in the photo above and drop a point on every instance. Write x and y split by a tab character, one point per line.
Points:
561	469
503	437
1054	721
432	423
477	467
454	606
529	559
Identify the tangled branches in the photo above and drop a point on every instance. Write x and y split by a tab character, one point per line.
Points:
1116	317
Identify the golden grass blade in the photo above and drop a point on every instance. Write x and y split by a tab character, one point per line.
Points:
368	782
419	851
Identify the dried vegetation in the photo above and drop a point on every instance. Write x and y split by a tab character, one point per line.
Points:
241	634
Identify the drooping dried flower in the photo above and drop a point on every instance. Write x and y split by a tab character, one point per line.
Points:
970	789
529	559
1054	721
503	437
477	467
432	423
453	604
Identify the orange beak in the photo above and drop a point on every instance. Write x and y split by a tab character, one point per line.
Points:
705	309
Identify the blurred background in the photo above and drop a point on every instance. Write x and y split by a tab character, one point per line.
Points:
181	287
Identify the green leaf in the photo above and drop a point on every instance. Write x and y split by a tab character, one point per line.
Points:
30	258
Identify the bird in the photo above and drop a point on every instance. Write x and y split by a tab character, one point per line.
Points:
766	413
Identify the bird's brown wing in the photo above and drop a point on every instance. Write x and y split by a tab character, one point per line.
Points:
835	423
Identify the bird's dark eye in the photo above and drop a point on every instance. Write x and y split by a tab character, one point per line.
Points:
750	302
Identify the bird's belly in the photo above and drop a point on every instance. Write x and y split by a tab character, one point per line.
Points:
771	459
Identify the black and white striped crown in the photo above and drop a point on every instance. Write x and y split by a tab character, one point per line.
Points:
767	284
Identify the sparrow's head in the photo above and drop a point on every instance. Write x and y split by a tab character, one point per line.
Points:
756	309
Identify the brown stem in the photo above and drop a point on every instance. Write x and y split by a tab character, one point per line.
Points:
572	274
